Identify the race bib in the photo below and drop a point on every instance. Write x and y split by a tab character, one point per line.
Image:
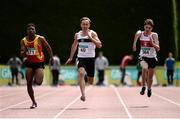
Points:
83	48
31	51
146	50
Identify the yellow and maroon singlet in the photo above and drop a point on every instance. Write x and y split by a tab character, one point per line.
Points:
34	52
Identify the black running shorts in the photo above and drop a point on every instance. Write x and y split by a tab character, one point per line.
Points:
88	65
152	62
34	65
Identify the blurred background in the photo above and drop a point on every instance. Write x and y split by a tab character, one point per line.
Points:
115	21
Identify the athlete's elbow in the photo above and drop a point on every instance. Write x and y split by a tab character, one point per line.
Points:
158	49
22	53
99	45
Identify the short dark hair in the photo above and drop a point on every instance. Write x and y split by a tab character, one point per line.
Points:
85	18
149	22
30	24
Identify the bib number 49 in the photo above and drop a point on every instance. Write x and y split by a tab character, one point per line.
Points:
83	49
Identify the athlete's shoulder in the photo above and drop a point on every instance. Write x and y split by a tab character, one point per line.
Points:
154	33
23	39
138	33
40	37
78	33
92	31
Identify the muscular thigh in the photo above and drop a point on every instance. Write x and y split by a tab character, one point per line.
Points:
144	64
29	74
39	74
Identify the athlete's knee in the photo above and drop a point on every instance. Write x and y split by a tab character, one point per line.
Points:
144	69
90	81
81	73
38	82
150	77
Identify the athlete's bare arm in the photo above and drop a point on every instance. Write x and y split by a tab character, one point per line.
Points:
155	41
94	38
23	49
136	37
47	46
73	49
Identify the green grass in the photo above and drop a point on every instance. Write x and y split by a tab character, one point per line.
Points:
178	64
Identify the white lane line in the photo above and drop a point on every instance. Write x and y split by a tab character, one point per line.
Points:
166	99
67	106
122	102
26	101
2	96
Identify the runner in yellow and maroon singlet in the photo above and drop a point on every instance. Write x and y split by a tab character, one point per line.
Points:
31	48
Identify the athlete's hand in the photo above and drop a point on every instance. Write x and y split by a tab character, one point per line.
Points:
134	48
68	61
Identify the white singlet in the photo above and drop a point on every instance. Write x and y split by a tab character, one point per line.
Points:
86	48
147	50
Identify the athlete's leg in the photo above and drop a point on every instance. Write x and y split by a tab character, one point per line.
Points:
29	78
90	69
144	66
90	80
150	80
81	73
39	75
138	76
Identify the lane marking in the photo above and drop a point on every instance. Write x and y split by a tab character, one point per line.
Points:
166	99
71	103
26	101
122	102
2	96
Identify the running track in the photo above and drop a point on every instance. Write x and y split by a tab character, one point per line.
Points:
102	102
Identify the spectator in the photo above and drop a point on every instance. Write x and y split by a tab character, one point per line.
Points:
170	68
101	63
14	64
124	62
55	67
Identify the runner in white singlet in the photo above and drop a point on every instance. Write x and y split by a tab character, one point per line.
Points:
148	53
86	41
